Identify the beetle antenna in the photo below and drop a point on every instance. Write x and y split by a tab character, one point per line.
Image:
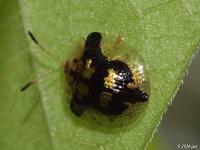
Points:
41	47
28	85
39	78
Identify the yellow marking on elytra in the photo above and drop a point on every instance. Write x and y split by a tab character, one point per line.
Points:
137	76
109	81
132	85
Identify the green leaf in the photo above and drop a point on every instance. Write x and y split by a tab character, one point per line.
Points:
166	33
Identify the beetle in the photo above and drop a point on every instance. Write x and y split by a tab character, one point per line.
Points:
102	82
107	85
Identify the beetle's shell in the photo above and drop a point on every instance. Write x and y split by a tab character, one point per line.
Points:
109	81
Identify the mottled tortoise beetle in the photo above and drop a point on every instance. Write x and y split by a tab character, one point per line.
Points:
108	80
104	83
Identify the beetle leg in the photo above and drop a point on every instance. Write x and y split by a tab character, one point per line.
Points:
118	41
